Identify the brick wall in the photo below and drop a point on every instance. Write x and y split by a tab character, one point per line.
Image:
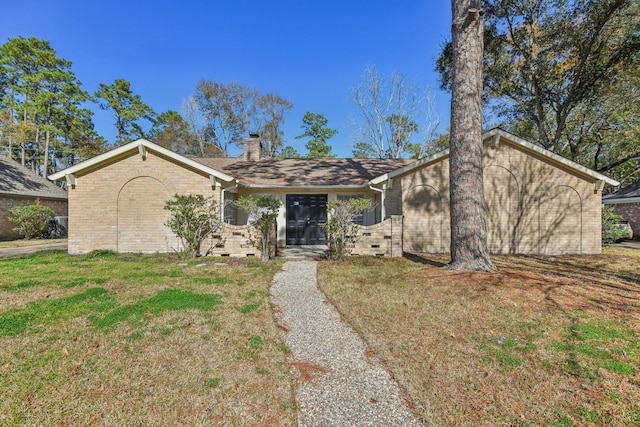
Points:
382	239
119	206
630	212
532	206
59	207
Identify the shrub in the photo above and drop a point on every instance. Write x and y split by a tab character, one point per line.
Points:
193	219
340	228
262	212
33	221
612	229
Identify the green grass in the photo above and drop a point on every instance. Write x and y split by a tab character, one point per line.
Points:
16	321
165	300
113	339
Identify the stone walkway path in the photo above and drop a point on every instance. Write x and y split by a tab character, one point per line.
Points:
338	385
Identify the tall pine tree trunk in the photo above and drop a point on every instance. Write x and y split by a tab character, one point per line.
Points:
469	249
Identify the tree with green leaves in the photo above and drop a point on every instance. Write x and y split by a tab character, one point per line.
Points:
548	67
38	92
127	109
193	219
262	212
288	152
315	128
170	130
469	249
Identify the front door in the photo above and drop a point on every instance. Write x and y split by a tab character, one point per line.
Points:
305	213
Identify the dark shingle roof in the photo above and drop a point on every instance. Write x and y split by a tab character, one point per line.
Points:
627	192
304	172
16	180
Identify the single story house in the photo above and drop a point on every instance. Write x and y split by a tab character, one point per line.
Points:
19	186
537	201
626	202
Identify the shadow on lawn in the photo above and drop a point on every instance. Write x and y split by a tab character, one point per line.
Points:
424	259
595	283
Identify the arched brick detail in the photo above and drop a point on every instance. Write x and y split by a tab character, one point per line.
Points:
503	209
141	216
561	221
424	220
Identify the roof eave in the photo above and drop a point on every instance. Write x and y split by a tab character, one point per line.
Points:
614	201
509	137
134	146
553	156
305	187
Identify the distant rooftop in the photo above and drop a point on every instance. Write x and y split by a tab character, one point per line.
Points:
17	180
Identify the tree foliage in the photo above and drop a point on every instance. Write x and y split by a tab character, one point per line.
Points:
288	152
262	212
193	219
393	113
315	128
340	229
41	103
127	109
551	69
612	230
32	221
232	111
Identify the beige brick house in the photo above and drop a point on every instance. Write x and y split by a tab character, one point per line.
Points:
537	201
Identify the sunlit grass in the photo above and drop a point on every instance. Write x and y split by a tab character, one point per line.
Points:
107	339
542	341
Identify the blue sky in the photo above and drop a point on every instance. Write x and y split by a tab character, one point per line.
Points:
311	53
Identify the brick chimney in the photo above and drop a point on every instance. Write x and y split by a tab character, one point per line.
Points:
252	147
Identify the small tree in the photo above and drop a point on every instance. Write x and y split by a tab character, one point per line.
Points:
33	220
262	212
340	228
193	219
612	231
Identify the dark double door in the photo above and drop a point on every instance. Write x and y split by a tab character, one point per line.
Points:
305	213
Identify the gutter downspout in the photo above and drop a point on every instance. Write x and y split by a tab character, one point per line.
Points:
222	198
382	194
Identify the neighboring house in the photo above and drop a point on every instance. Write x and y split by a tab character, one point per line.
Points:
626	202
537	202
20	186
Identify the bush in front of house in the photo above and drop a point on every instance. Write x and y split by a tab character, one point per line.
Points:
340	229
193	219
33	221
262	212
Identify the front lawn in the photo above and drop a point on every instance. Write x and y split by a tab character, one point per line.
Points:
107	339
544	341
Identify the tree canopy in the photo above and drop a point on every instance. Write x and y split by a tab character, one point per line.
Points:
127	109
315	128
553	72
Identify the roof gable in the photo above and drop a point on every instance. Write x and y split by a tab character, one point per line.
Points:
496	136
17	180
140	145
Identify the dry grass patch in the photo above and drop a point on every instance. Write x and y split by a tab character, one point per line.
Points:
109	339
542	341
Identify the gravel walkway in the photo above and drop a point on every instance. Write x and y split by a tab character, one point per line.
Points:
338	384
